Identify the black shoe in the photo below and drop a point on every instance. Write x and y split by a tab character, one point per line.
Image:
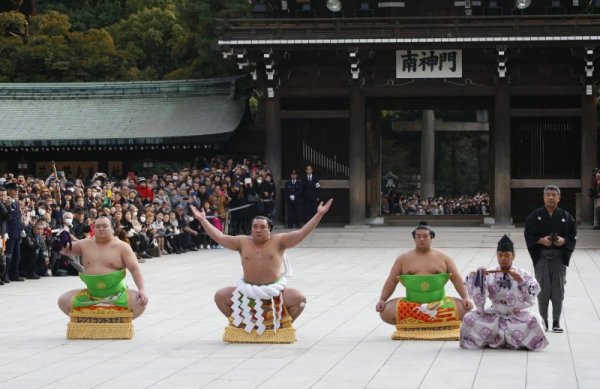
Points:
33	277
556	328
18	279
1	282
546	325
146	255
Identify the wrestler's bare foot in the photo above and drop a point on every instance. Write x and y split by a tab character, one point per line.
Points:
223	300
294	301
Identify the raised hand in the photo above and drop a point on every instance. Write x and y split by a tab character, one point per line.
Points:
323	209
198	214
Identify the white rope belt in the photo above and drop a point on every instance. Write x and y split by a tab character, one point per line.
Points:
241	304
244	292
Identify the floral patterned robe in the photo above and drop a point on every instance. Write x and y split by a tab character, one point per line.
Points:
509	321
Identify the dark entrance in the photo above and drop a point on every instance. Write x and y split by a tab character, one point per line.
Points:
544	148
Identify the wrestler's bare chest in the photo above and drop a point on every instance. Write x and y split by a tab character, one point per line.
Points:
424	265
261	263
100	259
262	255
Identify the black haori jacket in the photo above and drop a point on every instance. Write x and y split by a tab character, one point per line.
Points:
539	224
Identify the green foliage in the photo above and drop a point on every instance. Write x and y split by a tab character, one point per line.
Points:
201	20
54	52
149	37
98	40
52	24
86	14
13	24
134	6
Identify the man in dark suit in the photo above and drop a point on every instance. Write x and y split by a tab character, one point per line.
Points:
293	195
4	205
14	229
310	193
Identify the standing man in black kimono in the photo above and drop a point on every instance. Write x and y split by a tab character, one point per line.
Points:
551	234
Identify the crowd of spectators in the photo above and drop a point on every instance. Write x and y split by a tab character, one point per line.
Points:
395	203
151	213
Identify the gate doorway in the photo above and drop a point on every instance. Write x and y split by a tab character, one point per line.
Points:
434	162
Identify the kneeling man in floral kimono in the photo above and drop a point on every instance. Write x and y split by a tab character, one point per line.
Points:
509	322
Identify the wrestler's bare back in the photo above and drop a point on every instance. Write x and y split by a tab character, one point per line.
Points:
261	262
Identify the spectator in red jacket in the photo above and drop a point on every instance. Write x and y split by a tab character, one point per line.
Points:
144	191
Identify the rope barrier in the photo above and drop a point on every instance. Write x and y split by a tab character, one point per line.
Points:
227	212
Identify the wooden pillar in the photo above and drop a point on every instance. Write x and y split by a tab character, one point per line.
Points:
374	163
501	156
428	154
357	149
273	147
589	155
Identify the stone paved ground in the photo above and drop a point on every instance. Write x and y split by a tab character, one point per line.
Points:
341	341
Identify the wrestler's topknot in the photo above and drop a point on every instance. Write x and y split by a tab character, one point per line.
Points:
423	225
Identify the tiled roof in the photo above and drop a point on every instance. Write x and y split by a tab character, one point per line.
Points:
118	113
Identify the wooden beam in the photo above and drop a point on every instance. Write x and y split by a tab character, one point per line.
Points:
541	183
315	114
428	91
314	92
441	126
545	112
533	90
